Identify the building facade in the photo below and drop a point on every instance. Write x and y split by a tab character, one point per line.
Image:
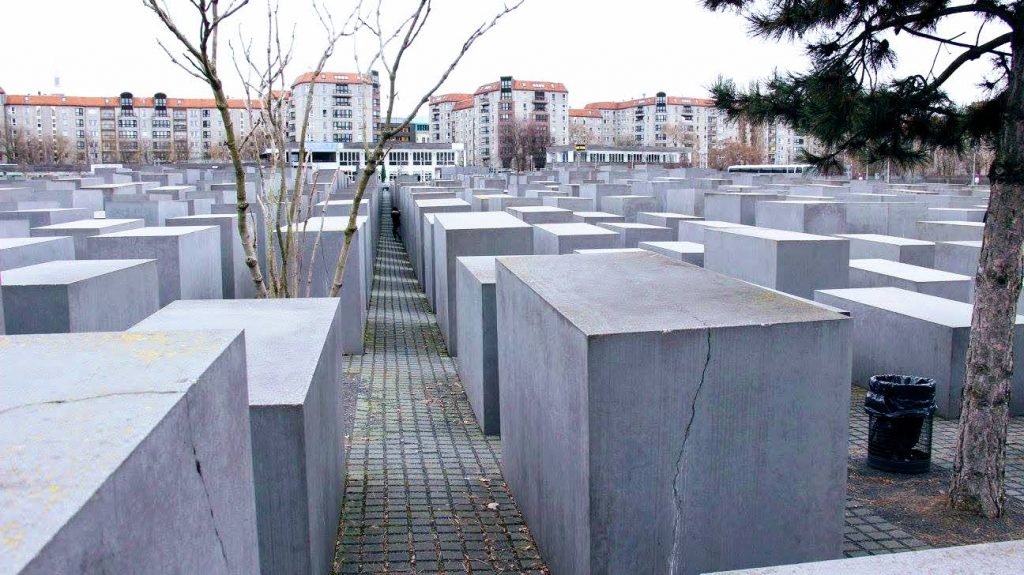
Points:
345	107
423	161
484	120
75	129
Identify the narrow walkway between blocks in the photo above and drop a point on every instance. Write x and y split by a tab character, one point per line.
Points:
424	491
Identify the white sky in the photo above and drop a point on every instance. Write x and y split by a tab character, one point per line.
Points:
600	49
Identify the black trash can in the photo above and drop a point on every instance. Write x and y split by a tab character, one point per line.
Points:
900	410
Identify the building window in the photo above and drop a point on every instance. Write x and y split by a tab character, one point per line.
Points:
446	158
398	159
343	125
421	158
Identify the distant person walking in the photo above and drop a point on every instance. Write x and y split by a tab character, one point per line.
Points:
396	223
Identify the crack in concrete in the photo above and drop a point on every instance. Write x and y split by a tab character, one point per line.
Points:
202	480
88	398
676	494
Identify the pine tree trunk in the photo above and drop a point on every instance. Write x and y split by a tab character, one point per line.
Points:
978	466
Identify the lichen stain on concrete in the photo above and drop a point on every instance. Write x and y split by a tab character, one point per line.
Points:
12	535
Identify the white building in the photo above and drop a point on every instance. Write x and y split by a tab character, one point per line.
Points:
345	107
477	119
421	160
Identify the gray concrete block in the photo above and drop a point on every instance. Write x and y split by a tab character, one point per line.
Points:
154	212
950	231
295	368
14	229
596	217
187	257
693	230
958	257
470	234
989	558
555	239
79	296
80	229
688	252
600	251
541	214
428	259
236	281
324	262
630	235
685	201
671	465
665	219
21	252
823	218
570	203
502	202
790	262
597	191
735	207
415	243
884	218
957	214
869	273
897	249
629	206
477	357
899	331
137	459
47	216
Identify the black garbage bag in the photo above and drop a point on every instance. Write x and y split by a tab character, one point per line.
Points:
900	404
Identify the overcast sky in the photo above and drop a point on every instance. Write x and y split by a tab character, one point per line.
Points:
600	49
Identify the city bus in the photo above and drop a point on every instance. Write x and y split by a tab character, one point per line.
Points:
799	169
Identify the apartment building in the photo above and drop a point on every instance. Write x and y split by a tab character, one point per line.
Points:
680	122
345	107
441	123
585	126
118	129
500	106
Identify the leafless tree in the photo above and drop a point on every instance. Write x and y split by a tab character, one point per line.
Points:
581	134
392	48
523	144
199	59
625	140
732	153
264	74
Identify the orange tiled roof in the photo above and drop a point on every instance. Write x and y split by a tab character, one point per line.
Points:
584	113
524	85
333	77
463	104
671	101
115	101
443	98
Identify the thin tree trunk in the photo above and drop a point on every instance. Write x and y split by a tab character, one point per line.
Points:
978	467
370	170
248	245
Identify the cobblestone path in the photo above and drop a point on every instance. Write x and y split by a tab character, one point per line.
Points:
424	491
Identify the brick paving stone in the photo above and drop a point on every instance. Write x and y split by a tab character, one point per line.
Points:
869	534
422	480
